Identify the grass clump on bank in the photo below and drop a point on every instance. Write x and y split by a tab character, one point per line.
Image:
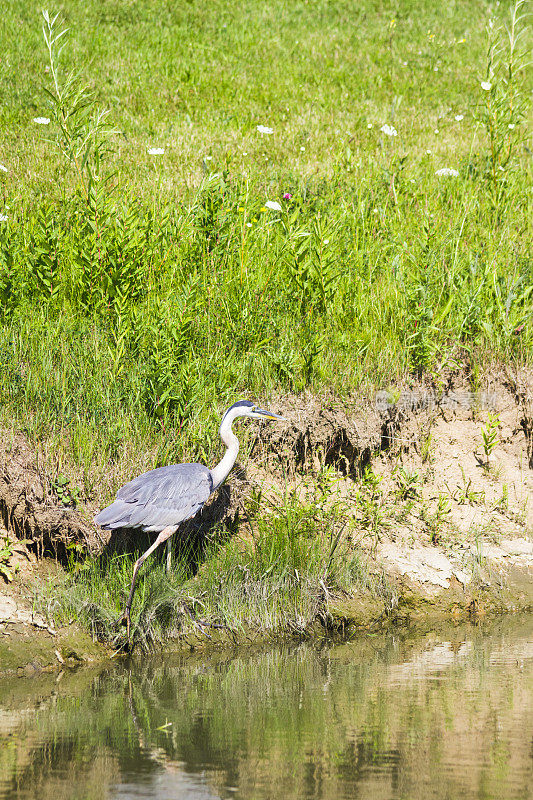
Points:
277	579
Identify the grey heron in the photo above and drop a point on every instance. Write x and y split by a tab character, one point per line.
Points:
159	500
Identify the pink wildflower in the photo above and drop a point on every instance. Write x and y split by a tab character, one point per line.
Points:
287	196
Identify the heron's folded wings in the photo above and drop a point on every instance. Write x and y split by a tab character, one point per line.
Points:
161	497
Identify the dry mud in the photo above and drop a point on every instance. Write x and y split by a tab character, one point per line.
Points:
448	524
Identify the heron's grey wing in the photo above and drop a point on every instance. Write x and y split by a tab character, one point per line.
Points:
161	497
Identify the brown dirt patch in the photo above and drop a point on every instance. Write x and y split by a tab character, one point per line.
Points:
323	432
28	507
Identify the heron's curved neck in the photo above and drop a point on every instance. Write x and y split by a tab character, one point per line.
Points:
222	469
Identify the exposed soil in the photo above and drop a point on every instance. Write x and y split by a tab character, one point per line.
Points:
448	521
455	522
28	507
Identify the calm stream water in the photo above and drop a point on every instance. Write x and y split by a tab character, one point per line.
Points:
438	715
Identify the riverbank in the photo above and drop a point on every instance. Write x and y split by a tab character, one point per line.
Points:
346	518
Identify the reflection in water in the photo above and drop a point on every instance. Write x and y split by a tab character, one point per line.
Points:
392	716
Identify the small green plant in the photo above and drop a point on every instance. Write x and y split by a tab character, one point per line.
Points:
312	269
426	449
285	364
82	131
408	483
439	519
67	495
503	502
490	437
324	486
46	249
477	555
503	105
465	493
371	502
6	551
372	481
421	342
312	347
208	211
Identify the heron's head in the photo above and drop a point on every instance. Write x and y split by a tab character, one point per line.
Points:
245	408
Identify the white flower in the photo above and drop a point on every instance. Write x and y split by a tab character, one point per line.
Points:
369	125
447	172
3	218
245	154
248	224
388	130
156	151
326	241
510	126
264	129
302	149
436	131
273	205
486	85
208	158
4	169
459	117
428	152
41	120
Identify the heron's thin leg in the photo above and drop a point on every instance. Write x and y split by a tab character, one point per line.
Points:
169	556
165	534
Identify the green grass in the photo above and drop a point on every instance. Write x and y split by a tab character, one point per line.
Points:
161	292
140	294
199	83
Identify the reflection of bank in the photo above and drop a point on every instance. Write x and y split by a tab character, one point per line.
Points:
171	783
435	659
365	718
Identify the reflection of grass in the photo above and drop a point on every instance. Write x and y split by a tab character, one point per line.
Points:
367	715
278	580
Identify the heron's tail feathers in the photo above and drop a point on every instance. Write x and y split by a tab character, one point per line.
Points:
117	515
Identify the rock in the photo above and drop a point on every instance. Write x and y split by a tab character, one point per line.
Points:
8	608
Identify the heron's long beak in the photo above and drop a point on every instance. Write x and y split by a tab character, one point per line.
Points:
269	414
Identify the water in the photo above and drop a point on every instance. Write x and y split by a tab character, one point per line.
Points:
442	715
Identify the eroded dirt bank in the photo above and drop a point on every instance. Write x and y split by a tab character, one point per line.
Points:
436	485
